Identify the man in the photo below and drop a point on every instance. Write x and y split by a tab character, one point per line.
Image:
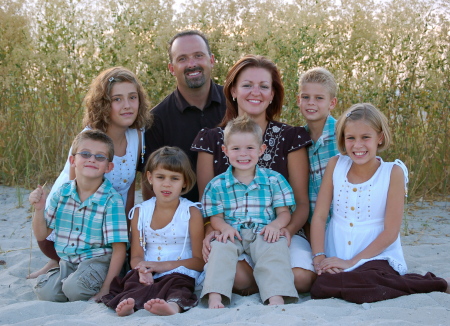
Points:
195	104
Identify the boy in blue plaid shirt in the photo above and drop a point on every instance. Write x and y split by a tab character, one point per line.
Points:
317	97
249	206
90	226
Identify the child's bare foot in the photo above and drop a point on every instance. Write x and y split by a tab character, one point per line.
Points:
125	307
50	264
215	301
161	307
448	285
276	300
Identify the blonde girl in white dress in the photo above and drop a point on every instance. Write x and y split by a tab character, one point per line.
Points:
359	257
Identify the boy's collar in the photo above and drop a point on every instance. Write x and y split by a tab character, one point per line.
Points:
259	178
96	197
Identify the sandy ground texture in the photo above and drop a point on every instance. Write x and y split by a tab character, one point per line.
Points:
426	243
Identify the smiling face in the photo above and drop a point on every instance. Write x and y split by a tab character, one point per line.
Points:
124	104
315	102
253	92
167	185
361	141
191	63
90	167
243	150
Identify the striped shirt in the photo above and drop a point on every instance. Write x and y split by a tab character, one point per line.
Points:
247	206
85	230
319	154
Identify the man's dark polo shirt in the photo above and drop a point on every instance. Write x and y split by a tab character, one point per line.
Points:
176	123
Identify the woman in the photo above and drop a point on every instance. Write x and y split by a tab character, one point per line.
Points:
254	87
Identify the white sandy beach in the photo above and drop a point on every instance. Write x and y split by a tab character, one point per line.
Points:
426	247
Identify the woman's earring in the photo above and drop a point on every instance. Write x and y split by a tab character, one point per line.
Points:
270	102
234	99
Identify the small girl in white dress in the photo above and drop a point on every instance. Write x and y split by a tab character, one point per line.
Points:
166	242
359	258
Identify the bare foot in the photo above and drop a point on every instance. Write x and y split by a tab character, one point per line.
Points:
50	264
448	285
125	307
161	307
276	300
215	301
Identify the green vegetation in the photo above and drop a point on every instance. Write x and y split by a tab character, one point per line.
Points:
394	54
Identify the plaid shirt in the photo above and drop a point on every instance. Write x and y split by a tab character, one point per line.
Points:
86	230
319	154
247	206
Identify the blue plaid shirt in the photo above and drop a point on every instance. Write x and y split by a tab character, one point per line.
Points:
85	230
247	206
319	153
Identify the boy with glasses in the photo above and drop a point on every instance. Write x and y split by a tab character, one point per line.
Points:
90	226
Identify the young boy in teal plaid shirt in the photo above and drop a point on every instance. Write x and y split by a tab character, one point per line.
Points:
90	226
248	205
317	97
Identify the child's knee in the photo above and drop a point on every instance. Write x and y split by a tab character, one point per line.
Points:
84	284
220	246
48	287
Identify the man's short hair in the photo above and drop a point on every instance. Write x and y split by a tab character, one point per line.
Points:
187	33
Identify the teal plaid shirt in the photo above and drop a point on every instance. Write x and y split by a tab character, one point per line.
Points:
247	206
319	153
86	230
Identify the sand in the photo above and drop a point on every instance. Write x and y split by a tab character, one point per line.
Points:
426	243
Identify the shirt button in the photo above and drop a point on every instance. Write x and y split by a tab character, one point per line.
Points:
73	244
352	208
77	229
159	258
125	180
123	161
351	224
159	247
354	189
349	243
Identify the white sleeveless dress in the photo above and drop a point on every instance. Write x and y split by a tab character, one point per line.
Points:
358	215
172	242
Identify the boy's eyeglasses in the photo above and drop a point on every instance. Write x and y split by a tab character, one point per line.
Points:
98	157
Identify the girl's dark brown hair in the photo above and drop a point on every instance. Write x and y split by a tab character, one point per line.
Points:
172	159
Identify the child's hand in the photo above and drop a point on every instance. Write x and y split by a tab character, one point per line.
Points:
206	249
271	233
37	198
146	277
334	265
146	267
98	297
228	232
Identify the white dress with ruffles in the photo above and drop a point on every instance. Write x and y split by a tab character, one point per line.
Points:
172	242
358	215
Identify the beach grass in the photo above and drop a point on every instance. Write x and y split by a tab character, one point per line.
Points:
394	54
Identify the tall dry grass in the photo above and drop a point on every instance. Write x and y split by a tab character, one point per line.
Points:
394	54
